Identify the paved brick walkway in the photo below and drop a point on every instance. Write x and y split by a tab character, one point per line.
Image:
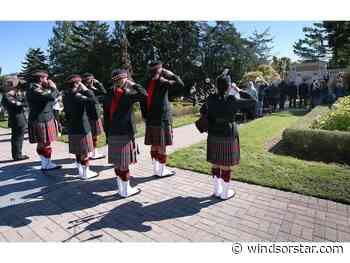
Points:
59	207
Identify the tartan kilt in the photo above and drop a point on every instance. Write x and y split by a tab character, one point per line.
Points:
122	151
80	144
159	136
43	132
223	150
96	127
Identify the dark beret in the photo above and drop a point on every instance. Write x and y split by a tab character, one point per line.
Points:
119	73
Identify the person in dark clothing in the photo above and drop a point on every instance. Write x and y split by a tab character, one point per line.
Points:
76	99
315	94
292	94
42	127
158	115
122	148
268	98
223	148
304	94
283	87
94	112
14	102
274	95
261	88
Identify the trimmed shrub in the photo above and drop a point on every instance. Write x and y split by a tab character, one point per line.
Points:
314	144
337	119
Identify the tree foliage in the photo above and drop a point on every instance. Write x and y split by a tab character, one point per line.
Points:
281	65
194	50
262	45
265	72
328	40
34	60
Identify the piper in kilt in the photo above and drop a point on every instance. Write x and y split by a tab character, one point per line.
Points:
94	112
122	148
158	115
223	149
14	102
42	126
77	98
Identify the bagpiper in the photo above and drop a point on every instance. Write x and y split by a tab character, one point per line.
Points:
42	126
122	148
77	98
223	148
94	112
158	115
14	102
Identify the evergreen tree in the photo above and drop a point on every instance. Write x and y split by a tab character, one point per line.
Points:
262	45
338	37
79	47
35	59
62	55
313	47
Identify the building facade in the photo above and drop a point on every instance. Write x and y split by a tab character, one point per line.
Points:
311	71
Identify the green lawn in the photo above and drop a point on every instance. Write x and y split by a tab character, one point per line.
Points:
258	166
178	122
3	124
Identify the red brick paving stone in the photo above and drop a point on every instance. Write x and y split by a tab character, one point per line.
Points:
282	236
250	222
118	235
343	236
319	231
342	228
28	234
273	229
296	230
12	235
321	215
331	234
218	230
307	233
253	231
304	221
2	238
318	239
286	227
271	218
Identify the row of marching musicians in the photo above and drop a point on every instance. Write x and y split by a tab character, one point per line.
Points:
83	121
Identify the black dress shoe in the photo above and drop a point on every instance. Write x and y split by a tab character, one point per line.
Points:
21	158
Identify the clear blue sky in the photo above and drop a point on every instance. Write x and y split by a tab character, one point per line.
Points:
17	37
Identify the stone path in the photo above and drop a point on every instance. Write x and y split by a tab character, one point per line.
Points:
59	207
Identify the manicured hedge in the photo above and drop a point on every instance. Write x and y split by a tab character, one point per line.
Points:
314	144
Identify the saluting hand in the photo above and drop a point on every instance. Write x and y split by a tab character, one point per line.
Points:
51	84
82	86
167	73
131	83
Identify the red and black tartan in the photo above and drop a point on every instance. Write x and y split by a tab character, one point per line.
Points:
159	136
96	127
80	144
223	150
122	151
43	132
